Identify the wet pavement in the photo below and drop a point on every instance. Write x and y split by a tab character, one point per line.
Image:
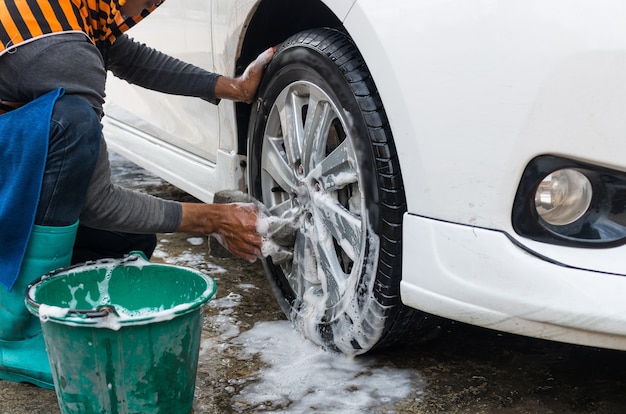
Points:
251	361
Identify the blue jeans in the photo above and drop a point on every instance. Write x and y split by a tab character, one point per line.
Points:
73	148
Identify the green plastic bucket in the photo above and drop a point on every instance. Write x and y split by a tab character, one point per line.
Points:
123	335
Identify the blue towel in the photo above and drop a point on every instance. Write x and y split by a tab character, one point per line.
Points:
24	134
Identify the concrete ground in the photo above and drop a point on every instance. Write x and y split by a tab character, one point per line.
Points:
466	370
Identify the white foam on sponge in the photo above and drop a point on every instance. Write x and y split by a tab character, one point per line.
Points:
264	223
269	227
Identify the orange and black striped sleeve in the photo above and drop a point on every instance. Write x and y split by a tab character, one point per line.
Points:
23	20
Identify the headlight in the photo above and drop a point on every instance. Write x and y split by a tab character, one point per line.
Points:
568	202
563	197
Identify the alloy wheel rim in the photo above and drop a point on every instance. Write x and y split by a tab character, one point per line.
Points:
309	171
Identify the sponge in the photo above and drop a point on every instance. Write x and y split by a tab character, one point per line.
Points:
278	233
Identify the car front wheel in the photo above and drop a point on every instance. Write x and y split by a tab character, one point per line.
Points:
321	153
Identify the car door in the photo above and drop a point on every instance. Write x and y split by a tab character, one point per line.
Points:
189	125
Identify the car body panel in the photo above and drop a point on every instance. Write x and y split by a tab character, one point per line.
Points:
466	122
484	279
473	91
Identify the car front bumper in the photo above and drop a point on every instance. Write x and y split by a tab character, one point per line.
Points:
485	278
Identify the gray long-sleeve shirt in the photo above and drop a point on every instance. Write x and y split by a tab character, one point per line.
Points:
70	60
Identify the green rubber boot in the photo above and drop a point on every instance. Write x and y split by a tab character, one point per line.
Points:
23	356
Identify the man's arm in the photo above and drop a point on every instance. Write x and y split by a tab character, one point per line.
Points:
144	66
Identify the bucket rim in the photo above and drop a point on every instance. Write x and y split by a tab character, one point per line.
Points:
94	316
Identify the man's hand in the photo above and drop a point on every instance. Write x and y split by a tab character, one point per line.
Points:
244	87
234	225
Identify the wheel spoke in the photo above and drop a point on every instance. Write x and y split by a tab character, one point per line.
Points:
280	209
304	267
337	169
318	121
276	165
343	225
333	283
289	105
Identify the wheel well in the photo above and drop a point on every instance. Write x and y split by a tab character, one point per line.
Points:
272	22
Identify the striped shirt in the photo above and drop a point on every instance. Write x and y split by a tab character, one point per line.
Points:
22	21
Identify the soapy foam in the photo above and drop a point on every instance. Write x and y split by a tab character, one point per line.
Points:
73	291
197	261
225	323
278	234
298	377
103	291
46	312
265	56
247	287
151	315
196	241
264	223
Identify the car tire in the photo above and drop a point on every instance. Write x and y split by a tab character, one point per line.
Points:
321	153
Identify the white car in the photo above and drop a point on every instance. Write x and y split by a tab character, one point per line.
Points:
463	160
